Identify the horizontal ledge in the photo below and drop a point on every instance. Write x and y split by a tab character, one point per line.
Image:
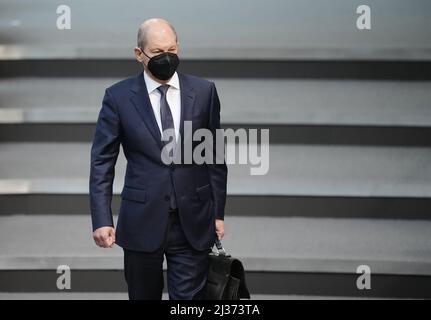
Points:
71	187
260	283
287	134
252	264
241	206
88	115
297	69
79	51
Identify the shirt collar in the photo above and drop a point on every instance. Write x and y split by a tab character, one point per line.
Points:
153	85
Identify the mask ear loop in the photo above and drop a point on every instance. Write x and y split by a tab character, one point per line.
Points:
145	53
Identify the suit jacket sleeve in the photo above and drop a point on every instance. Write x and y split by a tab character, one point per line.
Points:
104	154
217	170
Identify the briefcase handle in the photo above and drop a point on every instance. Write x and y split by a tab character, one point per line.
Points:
219	248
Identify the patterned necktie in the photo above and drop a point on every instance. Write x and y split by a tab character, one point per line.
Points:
165	111
167	123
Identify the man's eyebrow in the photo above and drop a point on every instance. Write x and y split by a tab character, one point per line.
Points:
160	49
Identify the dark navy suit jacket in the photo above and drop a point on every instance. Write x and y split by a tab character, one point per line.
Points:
127	118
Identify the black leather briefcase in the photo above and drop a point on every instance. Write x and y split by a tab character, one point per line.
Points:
226	277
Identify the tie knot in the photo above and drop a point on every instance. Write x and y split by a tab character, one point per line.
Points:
163	89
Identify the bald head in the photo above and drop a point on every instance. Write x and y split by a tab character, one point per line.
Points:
156	31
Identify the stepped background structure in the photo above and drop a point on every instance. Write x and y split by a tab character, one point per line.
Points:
349	114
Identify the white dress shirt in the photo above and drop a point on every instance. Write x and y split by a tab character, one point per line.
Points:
173	97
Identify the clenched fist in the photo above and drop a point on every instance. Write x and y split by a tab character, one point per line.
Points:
104	237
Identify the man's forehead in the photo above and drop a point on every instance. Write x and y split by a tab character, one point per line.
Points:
160	31
161	37
161	40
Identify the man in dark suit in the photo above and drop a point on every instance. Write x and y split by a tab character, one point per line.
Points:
174	210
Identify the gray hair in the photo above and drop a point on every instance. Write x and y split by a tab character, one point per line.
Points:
142	34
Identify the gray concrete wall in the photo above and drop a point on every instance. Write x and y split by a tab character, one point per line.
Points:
253	29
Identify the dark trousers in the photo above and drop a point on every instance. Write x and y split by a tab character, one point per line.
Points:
187	268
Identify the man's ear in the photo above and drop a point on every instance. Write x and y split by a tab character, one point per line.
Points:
138	54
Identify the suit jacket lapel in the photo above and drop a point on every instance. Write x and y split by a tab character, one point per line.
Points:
142	103
187	103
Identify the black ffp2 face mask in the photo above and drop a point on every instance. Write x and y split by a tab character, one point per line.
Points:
164	65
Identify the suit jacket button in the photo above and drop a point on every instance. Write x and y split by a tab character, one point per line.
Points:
167	198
